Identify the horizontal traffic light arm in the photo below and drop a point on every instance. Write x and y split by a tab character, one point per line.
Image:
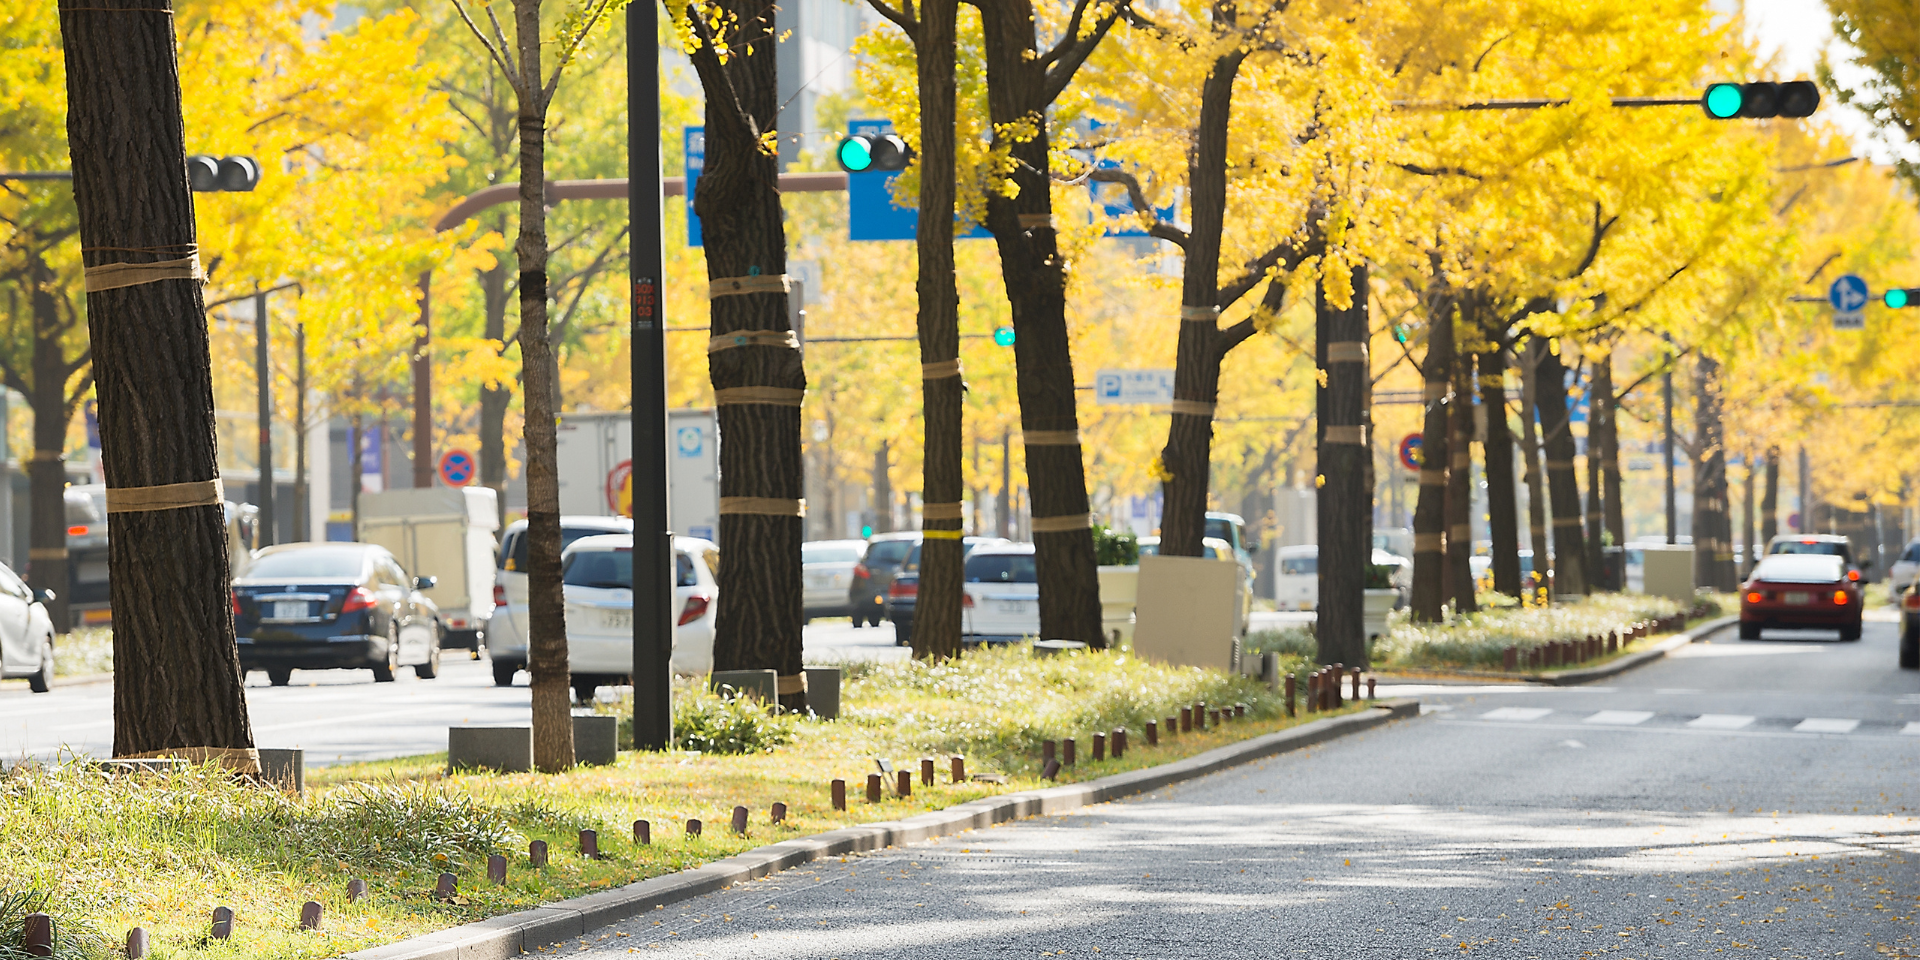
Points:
1721	101
1529	103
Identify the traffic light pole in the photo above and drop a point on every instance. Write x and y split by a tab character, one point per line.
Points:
264	530
653	568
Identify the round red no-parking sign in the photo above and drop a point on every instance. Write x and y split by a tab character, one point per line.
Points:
457	468
1410	451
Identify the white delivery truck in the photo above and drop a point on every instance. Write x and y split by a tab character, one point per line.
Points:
446	533
596	466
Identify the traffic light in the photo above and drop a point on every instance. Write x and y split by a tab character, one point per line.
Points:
222	174
1758	101
1899	297
1003	336
860	154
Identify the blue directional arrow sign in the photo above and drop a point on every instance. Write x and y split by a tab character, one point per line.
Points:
1849	298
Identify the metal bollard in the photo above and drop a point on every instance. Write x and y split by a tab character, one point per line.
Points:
1199	715
1510	659
1338	669
1051	770
1119	741
926	771
839	794
904	785
137	943
497	870
643	831
222	923
590	844
1099	747
1289	694
447	888
1370	688
873	788
356	888
959	769
1213	717
1186	719
739	822
693	829
537	853
310	913
1066	752
1313	691
778	814
1048	751
1153	733
1170	726
1356	684
36	933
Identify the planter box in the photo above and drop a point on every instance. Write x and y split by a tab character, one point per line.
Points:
1119	592
1188	615
506	749
1377	605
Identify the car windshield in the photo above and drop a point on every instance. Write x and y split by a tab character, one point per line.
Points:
1299	566
1799	568
683	575
888	553
1820	548
1913	553
599	568
1221	529
513	554
339	563
1001	568
828	554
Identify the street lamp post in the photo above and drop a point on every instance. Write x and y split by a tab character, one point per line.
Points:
652	540
264	377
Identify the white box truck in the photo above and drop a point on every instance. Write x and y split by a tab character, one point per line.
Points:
596	462
446	533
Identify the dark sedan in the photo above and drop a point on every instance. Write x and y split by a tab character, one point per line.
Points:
334	606
903	590
1798	591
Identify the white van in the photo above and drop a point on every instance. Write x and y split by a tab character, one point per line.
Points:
1296	581
507	631
1001	599
596	574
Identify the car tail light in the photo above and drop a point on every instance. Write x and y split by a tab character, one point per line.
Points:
1753	597
236	602
1853	575
77	531
860	572
1911	601
499	595
359	598
695	609
966	600
1840	597
899	589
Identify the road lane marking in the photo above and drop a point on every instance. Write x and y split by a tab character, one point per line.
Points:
1719	721
1825	725
1912	729
1620	718
1516	713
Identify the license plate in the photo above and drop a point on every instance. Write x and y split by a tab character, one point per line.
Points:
1799	599
289	610
1012	606
616	620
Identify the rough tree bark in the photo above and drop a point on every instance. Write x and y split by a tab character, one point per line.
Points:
1712	523
1022	83
1429	512
1345	501
1599	427
494	400
1746	520
1503	520
1609	442
936	623
177	685
1770	500
882	491
757	377
1563	485
1530	460
1459	499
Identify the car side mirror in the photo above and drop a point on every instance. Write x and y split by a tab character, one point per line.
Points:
48	595
425	583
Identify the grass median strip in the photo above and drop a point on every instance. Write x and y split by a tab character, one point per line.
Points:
162	851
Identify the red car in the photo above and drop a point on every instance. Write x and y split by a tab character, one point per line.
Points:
1798	591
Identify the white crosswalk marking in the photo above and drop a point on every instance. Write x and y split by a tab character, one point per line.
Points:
1826	725
1719	721
1620	718
1516	713
1912	729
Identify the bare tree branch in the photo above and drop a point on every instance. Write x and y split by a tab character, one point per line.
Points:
900	19
1158	227
1072	51
503	55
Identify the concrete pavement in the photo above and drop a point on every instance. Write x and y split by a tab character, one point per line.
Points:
1756	798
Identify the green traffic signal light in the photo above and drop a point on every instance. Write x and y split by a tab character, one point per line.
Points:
855	154
1003	336
1899	297
860	154
1760	100
1722	101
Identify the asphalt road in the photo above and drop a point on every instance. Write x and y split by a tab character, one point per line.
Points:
1747	798
342	715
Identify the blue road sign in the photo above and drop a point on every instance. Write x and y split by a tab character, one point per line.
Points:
871	211
1848	294
696	141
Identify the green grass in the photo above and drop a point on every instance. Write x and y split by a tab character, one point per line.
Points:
162	851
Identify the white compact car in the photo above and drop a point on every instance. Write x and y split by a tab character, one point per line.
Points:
26	633
597	576
827	568
1000	602
506	630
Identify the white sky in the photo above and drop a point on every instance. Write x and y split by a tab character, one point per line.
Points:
1798	30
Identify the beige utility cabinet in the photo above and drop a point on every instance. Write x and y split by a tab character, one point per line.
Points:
1187	613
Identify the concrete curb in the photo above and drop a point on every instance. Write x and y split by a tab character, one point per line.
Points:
1566	678
510	935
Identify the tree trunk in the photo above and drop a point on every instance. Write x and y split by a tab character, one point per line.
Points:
1712	524
1616	517
1600	431
1770	501
1530	453
177	684
48	566
1345	501
882	491
1563	485
1503	507
1430	511
1746	520
936	622
1459	557
1003	501
494	400
758	379
546	603
1034	272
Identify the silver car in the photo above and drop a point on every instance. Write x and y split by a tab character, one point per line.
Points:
827	569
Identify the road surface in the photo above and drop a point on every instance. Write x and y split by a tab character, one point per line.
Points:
1744	798
342	715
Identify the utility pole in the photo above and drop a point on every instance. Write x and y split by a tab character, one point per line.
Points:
1806	498
264	375
652	540
423	389
302	510
1666	401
